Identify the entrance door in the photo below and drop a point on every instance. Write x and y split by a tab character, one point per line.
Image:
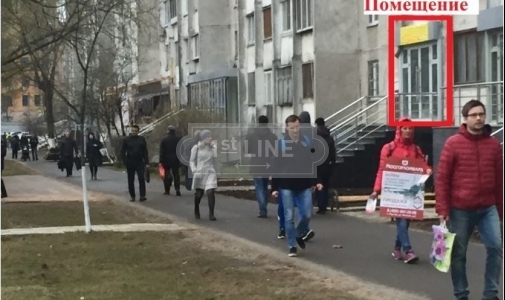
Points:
419	83
497	76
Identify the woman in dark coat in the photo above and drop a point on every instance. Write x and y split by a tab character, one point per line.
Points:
93	154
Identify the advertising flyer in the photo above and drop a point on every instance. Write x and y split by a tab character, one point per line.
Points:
403	188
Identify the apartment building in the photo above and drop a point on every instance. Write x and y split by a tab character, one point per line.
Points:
21	98
200	55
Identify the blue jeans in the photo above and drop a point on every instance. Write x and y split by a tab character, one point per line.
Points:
261	186
462	223
303	200
402	235
280	215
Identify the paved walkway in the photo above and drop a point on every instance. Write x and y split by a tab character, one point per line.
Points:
39	188
366	245
115	228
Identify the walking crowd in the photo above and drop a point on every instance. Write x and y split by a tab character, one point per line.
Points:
468	182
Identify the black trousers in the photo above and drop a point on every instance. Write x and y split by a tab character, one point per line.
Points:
69	164
93	166
15	153
35	153
172	172
131	170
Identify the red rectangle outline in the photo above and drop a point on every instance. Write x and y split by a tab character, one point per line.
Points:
448	71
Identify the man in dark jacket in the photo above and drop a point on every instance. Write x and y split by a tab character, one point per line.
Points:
325	171
170	161
136	159
4	153
67	148
15	146
289	169
258	141
34	142
469	188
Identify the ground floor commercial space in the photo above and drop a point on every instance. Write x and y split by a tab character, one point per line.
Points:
421	68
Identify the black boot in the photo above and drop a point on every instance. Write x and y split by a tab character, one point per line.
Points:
212	202
197	206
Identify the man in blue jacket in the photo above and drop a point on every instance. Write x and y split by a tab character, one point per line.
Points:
293	183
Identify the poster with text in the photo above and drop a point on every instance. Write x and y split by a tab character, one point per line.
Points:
402	193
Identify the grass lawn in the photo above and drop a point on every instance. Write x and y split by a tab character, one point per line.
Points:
13	168
140	265
150	265
48	214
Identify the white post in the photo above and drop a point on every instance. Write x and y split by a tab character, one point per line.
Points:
87	218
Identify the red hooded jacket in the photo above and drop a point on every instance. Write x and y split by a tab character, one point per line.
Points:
400	147
470	173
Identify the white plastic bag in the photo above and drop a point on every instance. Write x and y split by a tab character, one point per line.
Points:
371	205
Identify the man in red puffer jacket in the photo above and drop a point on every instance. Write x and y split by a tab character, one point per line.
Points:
469	193
403	146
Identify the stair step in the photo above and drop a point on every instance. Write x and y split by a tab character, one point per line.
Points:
364	141
352	146
346	153
375	134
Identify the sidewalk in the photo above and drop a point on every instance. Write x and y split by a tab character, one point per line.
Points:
366	245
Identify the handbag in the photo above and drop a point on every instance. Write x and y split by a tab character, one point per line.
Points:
147	174
161	170
441	247
77	161
371	205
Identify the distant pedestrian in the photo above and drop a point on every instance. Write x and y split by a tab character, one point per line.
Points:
136	159
170	161
4	153
34	143
93	154
203	163
258	141
325	170
67	148
469	188
295	192
403	147
15	146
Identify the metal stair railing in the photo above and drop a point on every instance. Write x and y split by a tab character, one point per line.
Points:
497	131
374	114
150	127
350	109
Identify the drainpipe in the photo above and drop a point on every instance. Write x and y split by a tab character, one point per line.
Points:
242	71
296	63
277	31
258	75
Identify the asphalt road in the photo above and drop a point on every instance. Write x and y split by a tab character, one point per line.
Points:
366	246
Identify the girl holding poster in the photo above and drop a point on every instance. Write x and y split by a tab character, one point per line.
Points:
402	147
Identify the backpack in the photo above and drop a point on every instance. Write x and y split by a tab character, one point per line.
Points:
392	147
305	138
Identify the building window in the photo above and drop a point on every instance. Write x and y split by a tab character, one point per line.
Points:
37	100
26	100
308	80
469	58
304	17
286	15
184	8
268	88
373	78
250	30
267	23
251	88
173	9
284	86
195	47
373	20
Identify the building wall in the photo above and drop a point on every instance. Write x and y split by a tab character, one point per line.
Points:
18	112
